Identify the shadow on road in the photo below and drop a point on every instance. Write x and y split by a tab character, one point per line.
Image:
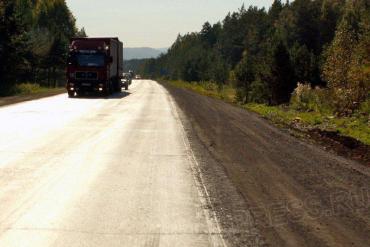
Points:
119	95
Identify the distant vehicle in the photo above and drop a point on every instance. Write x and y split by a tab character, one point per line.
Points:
94	65
126	80
138	77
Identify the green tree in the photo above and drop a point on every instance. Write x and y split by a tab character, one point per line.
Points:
275	10
245	74
40	42
331	12
12	43
338	63
55	16
81	33
282	82
303	62
265	53
34	37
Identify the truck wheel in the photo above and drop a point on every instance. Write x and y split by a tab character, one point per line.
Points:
126	86
71	94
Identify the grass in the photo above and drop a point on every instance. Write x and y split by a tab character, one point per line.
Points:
223	92
356	126
29	89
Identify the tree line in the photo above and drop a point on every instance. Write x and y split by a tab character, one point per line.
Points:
267	54
34	39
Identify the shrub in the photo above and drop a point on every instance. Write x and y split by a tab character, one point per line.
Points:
240	95
209	86
259	92
365	107
305	98
26	88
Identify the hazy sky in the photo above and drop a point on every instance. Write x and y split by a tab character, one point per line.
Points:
151	23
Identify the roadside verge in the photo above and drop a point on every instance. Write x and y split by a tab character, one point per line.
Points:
8	100
348	137
269	188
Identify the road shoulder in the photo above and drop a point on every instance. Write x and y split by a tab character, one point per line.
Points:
255	172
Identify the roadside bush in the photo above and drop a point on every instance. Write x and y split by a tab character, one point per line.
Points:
306	98
26	88
232	79
259	92
365	108
240	95
209	86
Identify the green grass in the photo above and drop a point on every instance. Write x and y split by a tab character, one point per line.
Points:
29	89
356	126
224	92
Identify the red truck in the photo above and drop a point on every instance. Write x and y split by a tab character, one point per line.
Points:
94	65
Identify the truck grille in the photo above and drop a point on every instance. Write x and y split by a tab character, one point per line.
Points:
87	75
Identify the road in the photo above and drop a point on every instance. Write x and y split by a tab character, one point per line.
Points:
101	172
162	166
298	193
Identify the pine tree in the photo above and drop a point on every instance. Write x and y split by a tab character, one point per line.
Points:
275	10
282	81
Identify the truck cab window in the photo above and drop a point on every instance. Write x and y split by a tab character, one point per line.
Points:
90	60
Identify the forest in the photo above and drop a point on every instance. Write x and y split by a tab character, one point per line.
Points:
34	39
310	53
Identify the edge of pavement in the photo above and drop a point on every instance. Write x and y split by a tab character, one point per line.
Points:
11	100
215	232
229	221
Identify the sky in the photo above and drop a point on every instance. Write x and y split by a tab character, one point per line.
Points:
151	23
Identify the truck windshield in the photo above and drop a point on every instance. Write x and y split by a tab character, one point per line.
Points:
90	60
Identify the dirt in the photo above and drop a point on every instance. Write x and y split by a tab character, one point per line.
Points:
342	145
21	98
269	188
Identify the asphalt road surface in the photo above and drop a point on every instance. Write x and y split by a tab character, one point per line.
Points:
162	166
101	172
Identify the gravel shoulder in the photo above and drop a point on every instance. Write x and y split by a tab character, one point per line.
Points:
269	188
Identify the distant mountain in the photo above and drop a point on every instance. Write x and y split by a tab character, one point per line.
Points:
142	52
